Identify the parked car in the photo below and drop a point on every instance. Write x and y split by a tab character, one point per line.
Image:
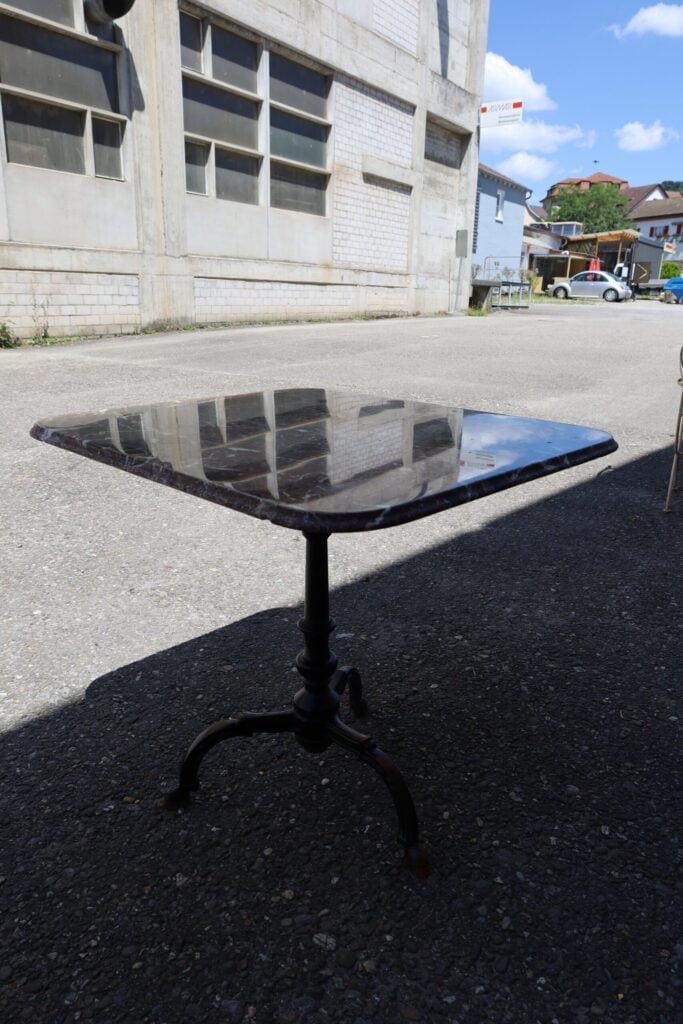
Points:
593	284
675	286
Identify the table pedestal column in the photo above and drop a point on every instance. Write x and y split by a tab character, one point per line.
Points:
314	718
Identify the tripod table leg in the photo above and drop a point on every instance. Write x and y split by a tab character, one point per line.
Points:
244	725
416	856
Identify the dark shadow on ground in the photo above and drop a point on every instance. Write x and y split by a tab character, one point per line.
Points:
522	676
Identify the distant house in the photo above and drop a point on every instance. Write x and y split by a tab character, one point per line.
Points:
663	219
639	194
499	217
583	184
636	195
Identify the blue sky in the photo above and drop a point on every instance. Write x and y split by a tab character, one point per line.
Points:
600	80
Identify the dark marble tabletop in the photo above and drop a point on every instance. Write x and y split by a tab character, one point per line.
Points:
325	460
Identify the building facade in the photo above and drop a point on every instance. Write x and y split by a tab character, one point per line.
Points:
500	210
235	161
663	219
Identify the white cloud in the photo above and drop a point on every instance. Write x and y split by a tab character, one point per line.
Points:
533	135
505	81
636	137
660	19
526	167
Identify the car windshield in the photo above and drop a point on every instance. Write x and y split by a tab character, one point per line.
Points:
614	277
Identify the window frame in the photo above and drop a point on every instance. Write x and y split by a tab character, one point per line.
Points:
263	153
78	31
500	205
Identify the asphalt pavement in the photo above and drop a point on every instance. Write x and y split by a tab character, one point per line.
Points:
521	657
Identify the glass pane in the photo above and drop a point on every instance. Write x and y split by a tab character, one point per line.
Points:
297	86
219	115
106	136
244	415
209	431
234	59
190	42
42	135
57	10
293	189
56	65
132	435
196	157
295	139
297	444
236	176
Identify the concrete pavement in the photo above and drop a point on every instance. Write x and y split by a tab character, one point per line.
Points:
521	656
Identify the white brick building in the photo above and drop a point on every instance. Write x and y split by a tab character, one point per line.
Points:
235	160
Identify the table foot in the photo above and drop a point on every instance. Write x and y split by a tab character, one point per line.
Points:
349	676
416	858
244	725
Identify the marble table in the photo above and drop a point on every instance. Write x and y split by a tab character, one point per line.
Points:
323	461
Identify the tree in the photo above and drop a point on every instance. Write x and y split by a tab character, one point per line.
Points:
670	269
600	208
673	186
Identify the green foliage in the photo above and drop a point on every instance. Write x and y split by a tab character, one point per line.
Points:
670	269
7	339
600	208
673	186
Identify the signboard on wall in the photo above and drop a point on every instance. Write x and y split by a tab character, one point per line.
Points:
669	247
501	112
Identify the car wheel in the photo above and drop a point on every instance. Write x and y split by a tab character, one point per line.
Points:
561	293
610	295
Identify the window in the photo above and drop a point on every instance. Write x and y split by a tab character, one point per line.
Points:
298	135
500	203
292	188
56	10
59	93
190	42
228	148
106	137
234	59
43	135
196	160
221	109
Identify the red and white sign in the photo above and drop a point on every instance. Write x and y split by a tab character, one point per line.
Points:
501	112
669	247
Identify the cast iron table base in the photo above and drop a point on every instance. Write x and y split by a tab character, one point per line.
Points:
314	716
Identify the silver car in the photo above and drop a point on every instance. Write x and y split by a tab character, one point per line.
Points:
593	284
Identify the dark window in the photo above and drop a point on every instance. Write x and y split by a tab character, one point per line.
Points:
106	137
43	61
209	431
295	189
57	10
298	444
298	86
217	114
131	435
294	406
190	42
296	139
227	463
236	176
196	157
431	438
234	59
43	135
244	415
